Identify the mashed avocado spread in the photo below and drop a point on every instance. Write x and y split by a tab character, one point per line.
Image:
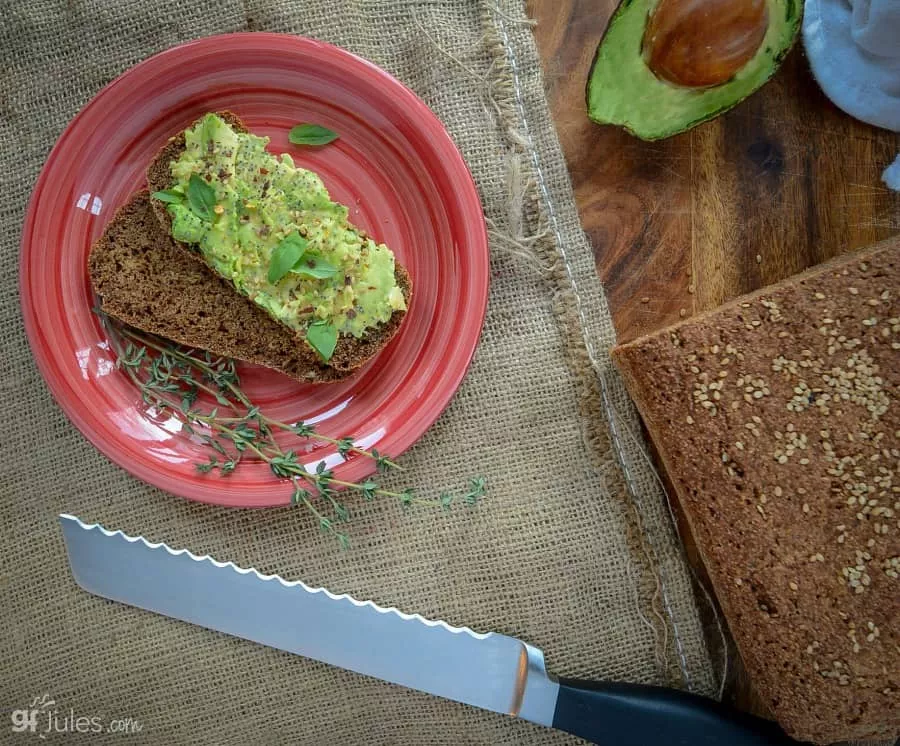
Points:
272	230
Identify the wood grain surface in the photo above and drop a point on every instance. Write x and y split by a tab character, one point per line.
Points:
783	181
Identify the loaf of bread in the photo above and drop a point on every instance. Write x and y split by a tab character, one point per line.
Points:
776	417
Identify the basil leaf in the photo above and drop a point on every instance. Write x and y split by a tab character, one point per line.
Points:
285	256
322	337
311	134
201	198
168	195
313	265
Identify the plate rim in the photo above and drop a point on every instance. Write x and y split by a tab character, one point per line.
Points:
57	384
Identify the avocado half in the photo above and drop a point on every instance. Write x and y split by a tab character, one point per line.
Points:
623	90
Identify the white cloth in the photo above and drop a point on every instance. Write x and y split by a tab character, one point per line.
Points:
891	175
854	52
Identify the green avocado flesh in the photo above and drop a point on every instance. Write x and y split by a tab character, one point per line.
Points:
264	211
622	90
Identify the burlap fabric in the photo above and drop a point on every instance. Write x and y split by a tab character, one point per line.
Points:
562	552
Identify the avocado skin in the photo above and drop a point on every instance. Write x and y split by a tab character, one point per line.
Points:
790	17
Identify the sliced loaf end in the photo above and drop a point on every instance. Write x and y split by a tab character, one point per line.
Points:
776	417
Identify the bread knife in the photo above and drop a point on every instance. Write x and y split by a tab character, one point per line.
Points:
487	670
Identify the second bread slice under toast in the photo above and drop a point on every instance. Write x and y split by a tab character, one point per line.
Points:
144	278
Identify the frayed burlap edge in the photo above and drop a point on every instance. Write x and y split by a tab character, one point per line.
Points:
532	232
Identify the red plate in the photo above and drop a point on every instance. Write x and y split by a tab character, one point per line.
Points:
394	165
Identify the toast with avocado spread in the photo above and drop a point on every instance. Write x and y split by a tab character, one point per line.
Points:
145	279
271	231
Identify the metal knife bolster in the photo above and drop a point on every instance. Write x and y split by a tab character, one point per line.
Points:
491	671
539	692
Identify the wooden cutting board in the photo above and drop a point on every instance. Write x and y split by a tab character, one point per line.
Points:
783	181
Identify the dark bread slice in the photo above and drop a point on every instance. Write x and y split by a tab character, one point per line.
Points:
800	566
350	353
146	280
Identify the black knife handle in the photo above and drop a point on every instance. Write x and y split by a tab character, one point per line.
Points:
636	715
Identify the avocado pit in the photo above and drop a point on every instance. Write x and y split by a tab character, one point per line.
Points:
703	43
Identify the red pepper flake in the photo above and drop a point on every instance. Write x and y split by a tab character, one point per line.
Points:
264	171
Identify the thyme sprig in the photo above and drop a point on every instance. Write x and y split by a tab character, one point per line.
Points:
171	378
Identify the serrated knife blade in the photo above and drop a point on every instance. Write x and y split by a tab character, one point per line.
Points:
487	670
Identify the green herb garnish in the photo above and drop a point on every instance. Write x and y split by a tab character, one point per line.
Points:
201	198
313	265
311	134
171	379
291	256
169	195
285	256
322	337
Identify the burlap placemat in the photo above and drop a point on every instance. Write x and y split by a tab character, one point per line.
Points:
562	552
